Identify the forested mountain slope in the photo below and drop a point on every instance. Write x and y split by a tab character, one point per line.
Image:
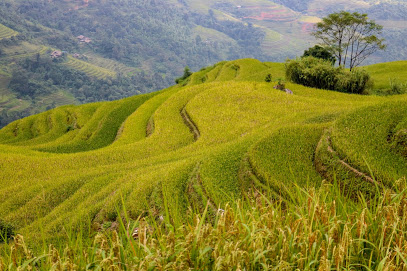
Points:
148	42
115	49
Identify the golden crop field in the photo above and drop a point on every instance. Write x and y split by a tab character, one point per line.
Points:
211	139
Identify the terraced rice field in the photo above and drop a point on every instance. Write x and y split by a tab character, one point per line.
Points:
275	13
271	41
111	65
89	69
6	32
21	51
224	132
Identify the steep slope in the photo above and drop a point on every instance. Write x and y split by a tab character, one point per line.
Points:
222	133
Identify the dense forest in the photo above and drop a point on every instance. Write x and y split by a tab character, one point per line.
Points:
135	32
155	38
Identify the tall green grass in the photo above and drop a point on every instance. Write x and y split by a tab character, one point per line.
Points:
323	231
384	73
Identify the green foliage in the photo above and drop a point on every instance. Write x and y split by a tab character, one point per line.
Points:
158	39
320	52
356	81
397	87
38	76
318	73
352	37
268	78
186	75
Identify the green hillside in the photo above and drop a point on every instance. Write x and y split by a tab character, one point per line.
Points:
213	138
149	43
200	145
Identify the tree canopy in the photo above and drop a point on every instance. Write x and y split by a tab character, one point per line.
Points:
321	52
352	36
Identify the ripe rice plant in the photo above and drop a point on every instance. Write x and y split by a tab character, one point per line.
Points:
170	156
323	231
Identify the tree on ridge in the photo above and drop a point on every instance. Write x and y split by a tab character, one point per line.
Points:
352	36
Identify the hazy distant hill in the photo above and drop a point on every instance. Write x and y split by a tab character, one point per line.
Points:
114	49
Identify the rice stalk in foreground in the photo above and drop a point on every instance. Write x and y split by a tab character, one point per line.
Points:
323	232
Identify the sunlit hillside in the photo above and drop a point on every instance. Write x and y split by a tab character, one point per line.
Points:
212	137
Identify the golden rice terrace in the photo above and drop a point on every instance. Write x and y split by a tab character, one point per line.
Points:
221	133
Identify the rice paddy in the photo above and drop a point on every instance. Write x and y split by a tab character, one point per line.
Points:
19	52
110	64
204	143
88	68
6	32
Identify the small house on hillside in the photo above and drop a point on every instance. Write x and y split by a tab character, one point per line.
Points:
56	54
82	38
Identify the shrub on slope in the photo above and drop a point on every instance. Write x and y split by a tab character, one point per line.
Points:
318	73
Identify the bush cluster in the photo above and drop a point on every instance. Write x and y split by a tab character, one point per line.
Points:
319	73
187	74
